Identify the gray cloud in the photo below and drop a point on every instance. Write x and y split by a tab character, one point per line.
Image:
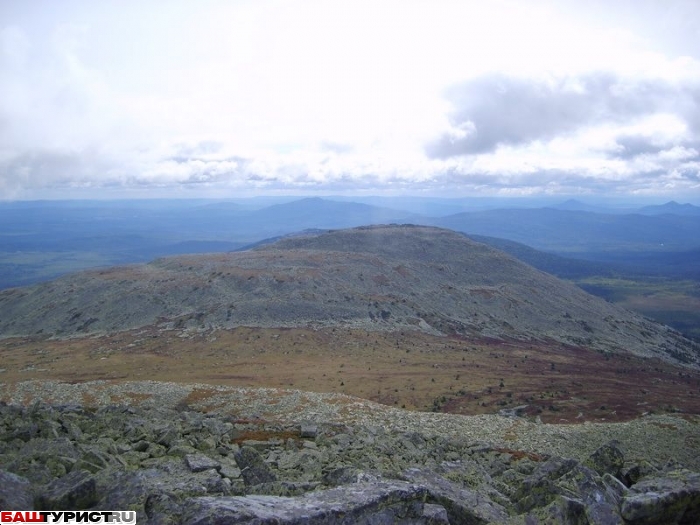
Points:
501	110
631	146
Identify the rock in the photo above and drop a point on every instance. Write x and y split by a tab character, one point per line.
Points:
539	489
116	458
435	514
129	490
253	469
282	488
308	431
634	473
673	498
599	500
607	459
15	492
358	504
566	490
230	471
462	505
560	510
74	491
162	509
200	462
309	463
341	476
93	459
25	431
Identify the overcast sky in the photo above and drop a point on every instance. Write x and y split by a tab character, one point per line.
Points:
234	98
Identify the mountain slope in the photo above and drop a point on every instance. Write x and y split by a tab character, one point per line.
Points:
377	278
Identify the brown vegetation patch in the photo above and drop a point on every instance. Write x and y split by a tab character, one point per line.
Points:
265	435
403	369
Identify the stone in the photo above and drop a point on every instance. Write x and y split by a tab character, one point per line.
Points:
560	510
15	492
539	489
608	459
360	504
341	476
162	509
74	491
308	430
93	459
462	505
599	500
435	514
672	498
254	470
200	462
634	473
345	474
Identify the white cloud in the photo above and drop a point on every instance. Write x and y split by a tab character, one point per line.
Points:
508	96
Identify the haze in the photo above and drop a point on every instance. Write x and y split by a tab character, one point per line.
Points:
119	99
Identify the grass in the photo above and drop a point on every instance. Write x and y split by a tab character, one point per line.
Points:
405	370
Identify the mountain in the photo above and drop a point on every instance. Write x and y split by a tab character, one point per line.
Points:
563	267
375	278
42	240
315	212
673	208
577	205
569	232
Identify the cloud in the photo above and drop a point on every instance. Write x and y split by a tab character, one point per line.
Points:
497	110
511	96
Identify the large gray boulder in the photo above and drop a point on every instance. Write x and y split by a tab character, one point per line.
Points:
608	459
382	503
668	499
74	491
253	468
15	492
463	505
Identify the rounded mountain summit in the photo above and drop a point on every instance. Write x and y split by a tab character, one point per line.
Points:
395	277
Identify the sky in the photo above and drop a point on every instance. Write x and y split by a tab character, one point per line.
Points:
214	98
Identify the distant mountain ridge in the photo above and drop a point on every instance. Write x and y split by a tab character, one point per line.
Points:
376	278
39	241
562	231
673	208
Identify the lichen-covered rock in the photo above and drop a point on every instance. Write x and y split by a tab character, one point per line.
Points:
634	473
435	514
673	498
341	476
253	468
608	459
600	501
566	487
200	462
74	491
358	504
561	510
463	505
162	462
15	492
539	489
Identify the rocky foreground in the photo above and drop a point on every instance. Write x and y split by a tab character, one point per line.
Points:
196	454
